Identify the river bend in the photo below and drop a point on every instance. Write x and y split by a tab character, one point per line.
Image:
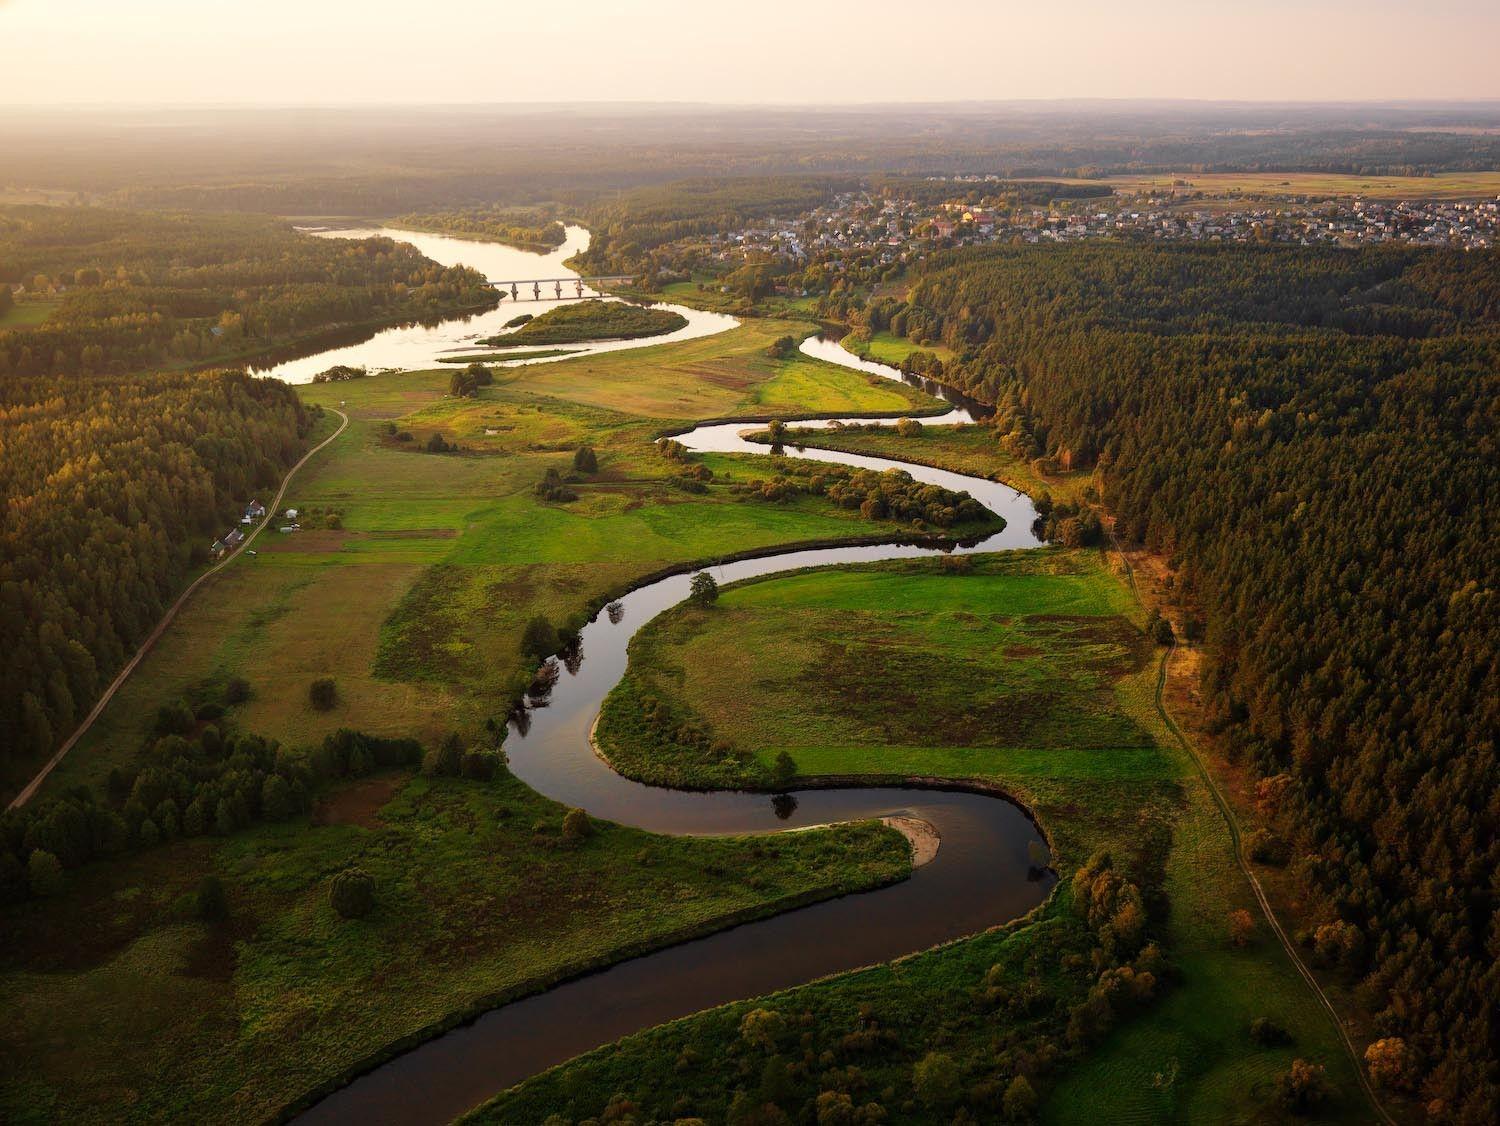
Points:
984	874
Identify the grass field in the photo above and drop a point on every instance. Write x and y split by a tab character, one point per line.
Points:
117	1004
415	605
27	314
1442	185
726	375
963	449
410	585
592	320
973	675
888	348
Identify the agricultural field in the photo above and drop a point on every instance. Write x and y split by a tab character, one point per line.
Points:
1049	642
1441	185
26	314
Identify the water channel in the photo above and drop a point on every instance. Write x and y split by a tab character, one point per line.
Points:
986	871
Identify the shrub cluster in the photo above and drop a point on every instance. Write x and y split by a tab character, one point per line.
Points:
892	495
187	787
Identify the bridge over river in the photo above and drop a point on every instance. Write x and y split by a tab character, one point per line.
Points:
576	284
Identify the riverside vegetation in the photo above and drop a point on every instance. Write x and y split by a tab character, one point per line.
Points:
1130	992
1121	375
591	320
410	589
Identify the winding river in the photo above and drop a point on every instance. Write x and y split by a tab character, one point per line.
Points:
985	872
413	346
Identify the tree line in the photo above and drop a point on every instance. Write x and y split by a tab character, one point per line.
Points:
1310	435
114	487
143	289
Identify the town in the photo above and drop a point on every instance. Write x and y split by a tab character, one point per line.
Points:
897	230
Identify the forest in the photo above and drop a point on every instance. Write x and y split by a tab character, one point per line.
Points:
114	487
531	228
1310	437
141	289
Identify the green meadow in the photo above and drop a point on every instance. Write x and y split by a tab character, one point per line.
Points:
1028	671
118	1004
409	585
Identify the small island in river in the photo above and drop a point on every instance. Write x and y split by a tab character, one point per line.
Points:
591	320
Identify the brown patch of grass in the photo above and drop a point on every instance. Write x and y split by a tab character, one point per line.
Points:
360	803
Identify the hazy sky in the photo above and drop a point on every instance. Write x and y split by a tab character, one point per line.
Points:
342	51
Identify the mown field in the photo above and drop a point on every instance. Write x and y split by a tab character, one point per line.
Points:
409	585
1029	671
25	314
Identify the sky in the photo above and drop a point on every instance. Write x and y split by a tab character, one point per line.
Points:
340	52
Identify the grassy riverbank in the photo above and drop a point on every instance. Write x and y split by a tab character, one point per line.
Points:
118	1004
409	586
1027	671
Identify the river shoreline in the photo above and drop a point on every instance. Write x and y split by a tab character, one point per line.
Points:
975	843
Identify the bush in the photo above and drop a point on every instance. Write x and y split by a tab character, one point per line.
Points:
908	427
785	768
1020	1100
448	759
1304	1088
481	767
1389	1063
352	893
704	589
762	1028
323	694
1267	1033
1241	927
209	902
540	640
175	718
585	460
576	825
936	1079
44	874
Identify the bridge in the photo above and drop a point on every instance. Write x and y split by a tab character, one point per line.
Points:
557	285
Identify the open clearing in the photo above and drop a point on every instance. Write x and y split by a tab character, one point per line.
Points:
409	584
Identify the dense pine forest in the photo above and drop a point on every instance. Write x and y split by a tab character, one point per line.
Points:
131	290
1311	437
114	487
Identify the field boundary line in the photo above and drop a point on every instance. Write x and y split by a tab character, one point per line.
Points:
30	789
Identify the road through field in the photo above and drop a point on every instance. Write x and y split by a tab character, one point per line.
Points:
166	619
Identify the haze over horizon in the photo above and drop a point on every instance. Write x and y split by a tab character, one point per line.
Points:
281	52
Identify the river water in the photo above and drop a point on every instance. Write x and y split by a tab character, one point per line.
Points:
412	347
986	871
